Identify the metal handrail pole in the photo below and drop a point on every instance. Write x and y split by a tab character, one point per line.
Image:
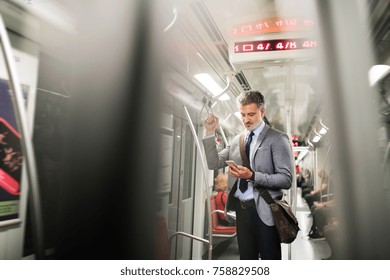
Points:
223	135
172	23
322	179
188	235
215	97
205	179
291	193
26	142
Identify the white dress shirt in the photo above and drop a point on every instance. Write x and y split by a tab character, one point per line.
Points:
248	194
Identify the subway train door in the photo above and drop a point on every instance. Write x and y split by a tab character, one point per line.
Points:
181	200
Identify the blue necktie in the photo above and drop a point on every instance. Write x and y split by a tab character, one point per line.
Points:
243	182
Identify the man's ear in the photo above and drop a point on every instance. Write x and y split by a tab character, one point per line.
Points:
262	110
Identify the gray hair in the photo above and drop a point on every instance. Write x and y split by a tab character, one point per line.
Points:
249	97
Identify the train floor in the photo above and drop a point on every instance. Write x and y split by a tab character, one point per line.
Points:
303	248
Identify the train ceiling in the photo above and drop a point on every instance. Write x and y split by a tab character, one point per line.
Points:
201	41
209	28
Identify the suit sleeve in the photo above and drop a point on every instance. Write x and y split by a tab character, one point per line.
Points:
214	159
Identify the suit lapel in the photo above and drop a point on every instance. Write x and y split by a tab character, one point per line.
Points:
260	140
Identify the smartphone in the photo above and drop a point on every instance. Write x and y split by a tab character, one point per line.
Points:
231	162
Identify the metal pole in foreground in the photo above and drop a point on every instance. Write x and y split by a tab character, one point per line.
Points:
26	142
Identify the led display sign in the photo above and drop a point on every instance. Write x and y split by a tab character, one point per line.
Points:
272	25
273	39
274	45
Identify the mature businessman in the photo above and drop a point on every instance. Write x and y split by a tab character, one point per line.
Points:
271	162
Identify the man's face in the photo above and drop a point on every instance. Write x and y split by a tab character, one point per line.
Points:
251	115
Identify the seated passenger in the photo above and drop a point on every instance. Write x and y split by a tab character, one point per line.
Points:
323	213
221	183
315	195
306	184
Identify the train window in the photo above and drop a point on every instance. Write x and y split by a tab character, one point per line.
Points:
177	127
183	160
166	135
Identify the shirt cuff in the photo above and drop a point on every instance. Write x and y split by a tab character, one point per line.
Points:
253	176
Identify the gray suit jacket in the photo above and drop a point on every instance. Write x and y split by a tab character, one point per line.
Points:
272	163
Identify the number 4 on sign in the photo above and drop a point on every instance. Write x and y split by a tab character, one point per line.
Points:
309	44
262	48
279	46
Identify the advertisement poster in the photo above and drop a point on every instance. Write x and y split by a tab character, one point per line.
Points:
11	157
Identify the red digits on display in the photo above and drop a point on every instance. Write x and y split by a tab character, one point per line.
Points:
274	45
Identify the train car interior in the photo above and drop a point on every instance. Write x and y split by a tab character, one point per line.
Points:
108	103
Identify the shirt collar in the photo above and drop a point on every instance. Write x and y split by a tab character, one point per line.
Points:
258	129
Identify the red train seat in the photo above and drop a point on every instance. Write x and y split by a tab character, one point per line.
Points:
219	230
